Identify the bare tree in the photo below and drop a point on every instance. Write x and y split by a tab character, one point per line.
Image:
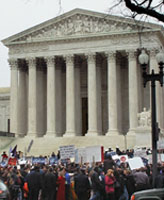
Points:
152	8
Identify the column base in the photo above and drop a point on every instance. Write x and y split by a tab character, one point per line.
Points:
31	134
49	134
112	132
69	134
92	133
131	132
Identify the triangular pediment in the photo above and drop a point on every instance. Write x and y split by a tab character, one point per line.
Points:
78	23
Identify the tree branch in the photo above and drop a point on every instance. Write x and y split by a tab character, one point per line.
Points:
142	10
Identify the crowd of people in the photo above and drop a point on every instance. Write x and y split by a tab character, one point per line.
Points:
69	181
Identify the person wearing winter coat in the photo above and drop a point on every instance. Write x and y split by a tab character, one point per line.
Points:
61	185
109	184
81	185
34	183
50	185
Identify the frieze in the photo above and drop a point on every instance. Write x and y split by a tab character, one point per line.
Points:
78	25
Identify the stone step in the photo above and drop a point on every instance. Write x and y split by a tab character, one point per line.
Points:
45	146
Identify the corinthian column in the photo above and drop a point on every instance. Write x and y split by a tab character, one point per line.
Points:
14	96
70	96
22	105
32	117
133	92
78	104
92	96
112	94
51	101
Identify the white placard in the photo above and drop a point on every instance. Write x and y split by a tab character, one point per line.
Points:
81	156
67	152
123	158
93	154
162	157
135	163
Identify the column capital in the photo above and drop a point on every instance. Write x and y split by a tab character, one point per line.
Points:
31	61
91	57
69	58
132	54
50	60
13	63
111	55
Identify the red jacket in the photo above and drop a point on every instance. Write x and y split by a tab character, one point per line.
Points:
109	184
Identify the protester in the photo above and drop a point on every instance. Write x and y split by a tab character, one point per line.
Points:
61	184
34	183
82	185
141	179
40	179
49	186
108	163
97	186
109	184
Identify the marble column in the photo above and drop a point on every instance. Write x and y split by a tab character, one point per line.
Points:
32	100
154	65
70	96
14	96
112	94
59	103
133	92
92	96
22	105
99	95
78	99
51	91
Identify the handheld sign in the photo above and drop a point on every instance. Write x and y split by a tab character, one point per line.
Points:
135	163
67	152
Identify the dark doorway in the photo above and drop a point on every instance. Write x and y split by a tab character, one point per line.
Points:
8	125
84	116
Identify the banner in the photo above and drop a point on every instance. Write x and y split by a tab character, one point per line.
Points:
38	160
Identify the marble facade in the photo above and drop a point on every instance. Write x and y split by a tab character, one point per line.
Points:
78	75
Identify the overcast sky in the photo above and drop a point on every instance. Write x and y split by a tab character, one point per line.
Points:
18	15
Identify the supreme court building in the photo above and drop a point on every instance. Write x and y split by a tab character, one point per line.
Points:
77	76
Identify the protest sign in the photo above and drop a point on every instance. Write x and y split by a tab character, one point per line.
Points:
135	163
67	152
4	162
22	161
80	156
94	154
123	158
53	160
12	161
38	160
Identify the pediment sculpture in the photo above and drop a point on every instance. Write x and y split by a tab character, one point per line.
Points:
79	25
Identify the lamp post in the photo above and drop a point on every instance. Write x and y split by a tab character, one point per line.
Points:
152	77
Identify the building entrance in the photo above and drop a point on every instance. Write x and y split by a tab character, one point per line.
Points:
84	116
